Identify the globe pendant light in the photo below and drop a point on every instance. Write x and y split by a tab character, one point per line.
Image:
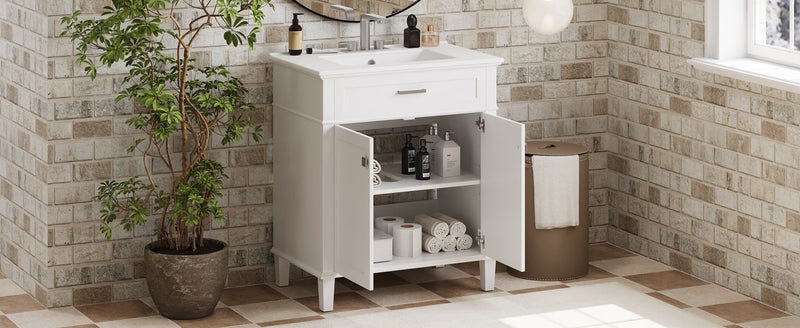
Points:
547	16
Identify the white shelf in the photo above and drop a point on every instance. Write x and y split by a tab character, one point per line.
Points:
406	183
428	260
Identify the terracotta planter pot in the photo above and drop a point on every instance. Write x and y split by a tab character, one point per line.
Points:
186	286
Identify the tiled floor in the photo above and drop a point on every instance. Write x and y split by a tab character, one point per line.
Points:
621	290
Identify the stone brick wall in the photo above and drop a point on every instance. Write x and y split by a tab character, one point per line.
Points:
61	134
704	170
24	152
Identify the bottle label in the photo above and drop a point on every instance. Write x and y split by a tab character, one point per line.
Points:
295	40
412	159
425	166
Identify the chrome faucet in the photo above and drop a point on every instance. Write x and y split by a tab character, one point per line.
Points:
365	20
349	13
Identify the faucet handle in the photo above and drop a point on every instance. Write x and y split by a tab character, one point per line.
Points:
379	44
349	45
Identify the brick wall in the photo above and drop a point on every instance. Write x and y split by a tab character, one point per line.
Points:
24	152
61	134
704	170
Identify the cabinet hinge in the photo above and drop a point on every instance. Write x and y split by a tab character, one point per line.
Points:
481	123
480	239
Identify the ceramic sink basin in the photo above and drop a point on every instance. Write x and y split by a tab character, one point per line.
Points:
386	57
394	59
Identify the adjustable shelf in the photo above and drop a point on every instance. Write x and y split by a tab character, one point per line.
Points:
406	183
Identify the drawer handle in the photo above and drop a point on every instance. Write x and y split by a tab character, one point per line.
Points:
411	92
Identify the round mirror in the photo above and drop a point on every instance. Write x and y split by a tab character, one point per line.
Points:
351	10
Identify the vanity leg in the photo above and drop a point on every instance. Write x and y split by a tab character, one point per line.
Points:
487	274
325	291
281	271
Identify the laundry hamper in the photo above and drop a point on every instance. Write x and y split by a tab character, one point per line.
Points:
561	253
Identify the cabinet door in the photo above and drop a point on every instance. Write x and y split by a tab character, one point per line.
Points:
502	191
353	206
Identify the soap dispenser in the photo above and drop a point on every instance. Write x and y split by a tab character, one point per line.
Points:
448	155
423	169
433	138
295	36
411	33
409	156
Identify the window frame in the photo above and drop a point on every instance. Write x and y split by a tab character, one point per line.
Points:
765	52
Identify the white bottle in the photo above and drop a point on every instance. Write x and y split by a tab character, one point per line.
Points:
448	157
431	139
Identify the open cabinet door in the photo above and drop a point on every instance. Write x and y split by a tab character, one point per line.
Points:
353	206
502	190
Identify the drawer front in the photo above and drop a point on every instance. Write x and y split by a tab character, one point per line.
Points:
410	95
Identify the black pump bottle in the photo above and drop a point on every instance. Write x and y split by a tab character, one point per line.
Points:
423	162
409	156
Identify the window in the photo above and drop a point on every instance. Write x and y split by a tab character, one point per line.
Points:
774	30
753	40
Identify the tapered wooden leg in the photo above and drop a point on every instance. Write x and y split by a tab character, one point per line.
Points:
281	271
487	274
325	290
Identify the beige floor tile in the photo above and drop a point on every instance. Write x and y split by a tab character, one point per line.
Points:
397	295
785	322
432	274
290	321
60	317
620	280
665	280
273	311
626	266
220	318
8	287
307	288
508	282
605	251
155	321
343	302
708	316
704	295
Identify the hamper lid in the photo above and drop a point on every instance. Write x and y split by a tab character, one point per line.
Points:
553	148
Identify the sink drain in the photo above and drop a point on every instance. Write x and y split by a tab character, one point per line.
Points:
371	62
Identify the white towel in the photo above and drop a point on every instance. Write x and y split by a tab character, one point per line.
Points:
555	191
457	228
432	225
449	243
431	244
463	242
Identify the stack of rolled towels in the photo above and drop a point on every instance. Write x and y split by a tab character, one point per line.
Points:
441	232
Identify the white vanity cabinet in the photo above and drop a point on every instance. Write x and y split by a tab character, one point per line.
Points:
323	194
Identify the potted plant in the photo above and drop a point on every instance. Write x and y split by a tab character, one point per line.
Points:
180	104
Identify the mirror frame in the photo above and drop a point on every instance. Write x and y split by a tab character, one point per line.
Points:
297	2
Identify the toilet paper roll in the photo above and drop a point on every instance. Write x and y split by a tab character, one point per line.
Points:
431	244
432	225
463	242
457	228
407	240
382	223
449	244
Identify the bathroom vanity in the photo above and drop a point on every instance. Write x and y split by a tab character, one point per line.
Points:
323	192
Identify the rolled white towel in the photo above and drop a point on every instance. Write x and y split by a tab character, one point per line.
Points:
431	244
457	228
432	225
463	242
449	244
376	180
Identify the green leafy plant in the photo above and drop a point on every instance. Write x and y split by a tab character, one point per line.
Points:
176	100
